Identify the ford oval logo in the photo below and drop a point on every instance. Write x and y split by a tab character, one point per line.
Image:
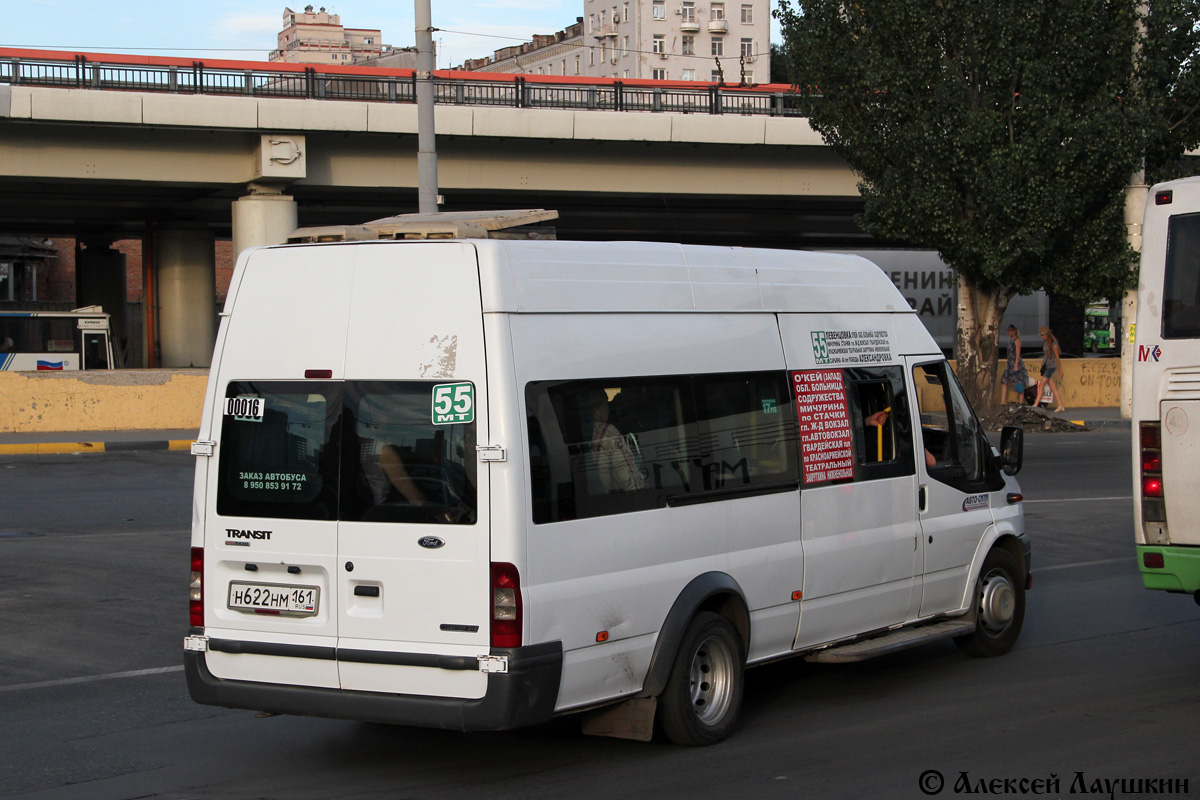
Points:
432	542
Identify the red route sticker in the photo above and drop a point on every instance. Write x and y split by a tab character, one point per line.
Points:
824	416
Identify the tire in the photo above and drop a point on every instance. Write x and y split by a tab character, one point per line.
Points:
999	607
703	695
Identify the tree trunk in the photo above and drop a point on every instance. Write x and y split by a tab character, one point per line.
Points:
979	315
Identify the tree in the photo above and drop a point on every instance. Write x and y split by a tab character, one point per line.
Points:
1001	134
1169	87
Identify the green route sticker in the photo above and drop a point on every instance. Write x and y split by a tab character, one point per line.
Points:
453	403
820	347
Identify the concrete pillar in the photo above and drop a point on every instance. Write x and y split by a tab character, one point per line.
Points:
262	218
100	281
185	264
1135	210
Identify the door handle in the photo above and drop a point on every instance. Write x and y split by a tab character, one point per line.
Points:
923	499
366	591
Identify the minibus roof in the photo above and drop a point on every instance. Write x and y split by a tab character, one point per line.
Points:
571	277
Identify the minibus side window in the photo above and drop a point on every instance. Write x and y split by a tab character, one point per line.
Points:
880	450
956	451
608	446
399	465
278	455
747	431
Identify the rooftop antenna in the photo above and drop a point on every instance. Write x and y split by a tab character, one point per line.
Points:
427	180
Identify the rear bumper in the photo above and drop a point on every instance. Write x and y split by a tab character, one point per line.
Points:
1180	571
525	695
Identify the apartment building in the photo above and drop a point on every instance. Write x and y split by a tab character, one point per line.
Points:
679	40
318	37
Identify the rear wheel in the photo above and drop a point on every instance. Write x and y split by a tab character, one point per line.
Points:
999	607
704	692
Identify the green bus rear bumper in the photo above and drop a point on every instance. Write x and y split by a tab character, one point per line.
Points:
1180	571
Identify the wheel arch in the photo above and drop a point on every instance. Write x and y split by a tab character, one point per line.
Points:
712	591
996	537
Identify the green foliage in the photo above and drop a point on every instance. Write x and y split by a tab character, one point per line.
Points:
1001	134
779	73
1169	86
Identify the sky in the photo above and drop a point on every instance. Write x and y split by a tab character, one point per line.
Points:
246	29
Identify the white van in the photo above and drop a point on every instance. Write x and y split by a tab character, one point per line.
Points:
474	484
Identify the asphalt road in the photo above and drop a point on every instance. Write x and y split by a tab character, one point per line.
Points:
93	576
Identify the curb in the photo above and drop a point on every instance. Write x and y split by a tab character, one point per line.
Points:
73	448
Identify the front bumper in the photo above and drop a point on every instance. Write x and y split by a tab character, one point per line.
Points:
525	695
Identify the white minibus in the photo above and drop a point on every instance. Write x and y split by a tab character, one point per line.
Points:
1166	391
477	483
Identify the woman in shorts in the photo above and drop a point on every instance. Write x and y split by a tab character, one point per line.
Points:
1051	368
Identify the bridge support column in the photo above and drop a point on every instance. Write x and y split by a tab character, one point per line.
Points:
262	217
100	281
187	295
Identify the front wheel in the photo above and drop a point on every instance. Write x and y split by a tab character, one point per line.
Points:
704	691
999	607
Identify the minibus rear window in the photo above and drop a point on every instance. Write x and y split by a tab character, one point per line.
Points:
400	465
1181	290
278	454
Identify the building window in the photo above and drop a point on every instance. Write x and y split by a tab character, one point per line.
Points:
625	46
564	66
370	40
660	43
625	13
748	76
747	48
718	11
689	45
718	46
747	14
660	74
576	65
688	75
689	12
660	9
716	76
625	73
591	56
591	22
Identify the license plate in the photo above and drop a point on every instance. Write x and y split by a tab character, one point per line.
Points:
274	598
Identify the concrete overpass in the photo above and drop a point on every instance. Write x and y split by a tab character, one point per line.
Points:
123	146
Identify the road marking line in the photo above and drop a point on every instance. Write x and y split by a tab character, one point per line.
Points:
137	673
53	537
1077	564
1080	499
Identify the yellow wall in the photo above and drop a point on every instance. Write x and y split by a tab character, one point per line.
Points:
1085	382
164	399
153	399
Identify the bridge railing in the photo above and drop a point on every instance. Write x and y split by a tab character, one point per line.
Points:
77	71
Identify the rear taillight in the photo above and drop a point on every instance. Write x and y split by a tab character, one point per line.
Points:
1154	508
507	606
196	589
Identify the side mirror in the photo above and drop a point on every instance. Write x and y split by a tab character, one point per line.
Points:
1012	449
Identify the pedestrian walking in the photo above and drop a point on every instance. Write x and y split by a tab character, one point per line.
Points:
1015	376
1051	368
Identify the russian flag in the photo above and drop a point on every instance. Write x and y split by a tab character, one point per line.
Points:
51	365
